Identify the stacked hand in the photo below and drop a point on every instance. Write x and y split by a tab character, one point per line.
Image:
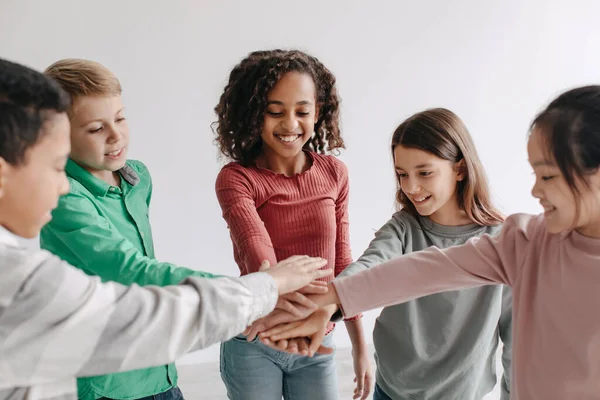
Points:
297	325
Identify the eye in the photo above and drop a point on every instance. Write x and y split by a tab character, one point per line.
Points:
303	114
121	119
274	114
547	178
95	130
425	173
401	175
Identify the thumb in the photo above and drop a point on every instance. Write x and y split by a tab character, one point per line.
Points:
265	265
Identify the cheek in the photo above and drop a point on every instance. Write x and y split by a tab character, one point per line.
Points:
308	125
269	125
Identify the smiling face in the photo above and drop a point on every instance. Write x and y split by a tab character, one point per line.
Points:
291	115
429	182
563	209
99	134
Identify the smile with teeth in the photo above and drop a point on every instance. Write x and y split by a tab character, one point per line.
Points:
548	209
115	153
288	138
421	200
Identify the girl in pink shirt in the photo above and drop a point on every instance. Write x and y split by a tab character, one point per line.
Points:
551	261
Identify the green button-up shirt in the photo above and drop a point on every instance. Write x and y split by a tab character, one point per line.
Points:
105	231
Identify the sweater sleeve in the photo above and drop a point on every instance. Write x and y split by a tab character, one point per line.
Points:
343	254
481	261
247	230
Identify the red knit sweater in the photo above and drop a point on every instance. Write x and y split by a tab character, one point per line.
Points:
272	217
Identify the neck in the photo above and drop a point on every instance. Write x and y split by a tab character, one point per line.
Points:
110	177
289	166
451	215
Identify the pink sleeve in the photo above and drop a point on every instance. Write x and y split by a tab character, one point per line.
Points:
247	230
343	254
481	261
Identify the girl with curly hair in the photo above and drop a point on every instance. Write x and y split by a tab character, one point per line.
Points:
282	194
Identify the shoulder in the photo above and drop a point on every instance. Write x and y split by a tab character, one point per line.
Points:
331	164
140	169
528	225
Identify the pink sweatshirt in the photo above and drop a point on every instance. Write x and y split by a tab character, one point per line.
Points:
556	299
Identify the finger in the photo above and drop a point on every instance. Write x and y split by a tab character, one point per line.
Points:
315	287
321	273
285	305
301	299
293	259
303	346
298	329
254	329
292	346
360	380
367	387
282	344
276	331
325	350
315	342
264	265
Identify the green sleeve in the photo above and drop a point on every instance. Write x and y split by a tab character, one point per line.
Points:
84	238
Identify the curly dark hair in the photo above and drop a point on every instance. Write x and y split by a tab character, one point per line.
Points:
243	104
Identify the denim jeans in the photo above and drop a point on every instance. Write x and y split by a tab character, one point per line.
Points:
379	394
253	371
171	394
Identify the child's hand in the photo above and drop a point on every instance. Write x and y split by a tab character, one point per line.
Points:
296	272
313	327
275	318
296	346
363	373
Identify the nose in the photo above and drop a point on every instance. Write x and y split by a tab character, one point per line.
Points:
290	122
115	135
535	190
410	185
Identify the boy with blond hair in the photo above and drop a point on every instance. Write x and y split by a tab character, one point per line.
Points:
101	225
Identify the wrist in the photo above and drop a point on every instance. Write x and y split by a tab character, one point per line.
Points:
327	299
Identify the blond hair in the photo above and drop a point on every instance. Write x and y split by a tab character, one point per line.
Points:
80	77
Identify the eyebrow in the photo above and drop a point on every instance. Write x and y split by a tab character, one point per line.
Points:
543	163
418	166
280	103
94	120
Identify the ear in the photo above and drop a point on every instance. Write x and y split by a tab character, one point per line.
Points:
460	170
4	168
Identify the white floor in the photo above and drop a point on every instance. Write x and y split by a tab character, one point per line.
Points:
203	382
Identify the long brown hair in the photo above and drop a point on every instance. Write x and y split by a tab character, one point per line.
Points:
442	133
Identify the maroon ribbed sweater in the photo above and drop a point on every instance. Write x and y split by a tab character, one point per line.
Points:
272	217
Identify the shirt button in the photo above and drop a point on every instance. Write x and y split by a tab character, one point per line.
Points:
112	189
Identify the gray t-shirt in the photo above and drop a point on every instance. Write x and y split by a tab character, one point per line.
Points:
440	346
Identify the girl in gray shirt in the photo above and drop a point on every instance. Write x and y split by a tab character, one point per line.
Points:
441	346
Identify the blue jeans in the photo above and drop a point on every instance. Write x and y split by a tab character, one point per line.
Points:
253	371
379	394
171	394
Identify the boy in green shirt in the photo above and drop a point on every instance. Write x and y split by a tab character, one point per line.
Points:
101	226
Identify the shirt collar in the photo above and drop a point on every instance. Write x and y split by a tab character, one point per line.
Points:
95	185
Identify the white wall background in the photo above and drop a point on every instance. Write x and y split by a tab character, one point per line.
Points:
495	63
